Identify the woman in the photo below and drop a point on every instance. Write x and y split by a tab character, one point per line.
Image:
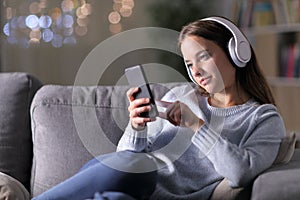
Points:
239	99
228	127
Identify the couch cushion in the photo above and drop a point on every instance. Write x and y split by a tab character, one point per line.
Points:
16	91
279	182
73	124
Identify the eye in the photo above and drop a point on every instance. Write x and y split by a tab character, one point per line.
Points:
203	56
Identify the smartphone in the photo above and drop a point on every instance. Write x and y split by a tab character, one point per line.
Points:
136	77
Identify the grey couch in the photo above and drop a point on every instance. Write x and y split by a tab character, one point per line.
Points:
48	132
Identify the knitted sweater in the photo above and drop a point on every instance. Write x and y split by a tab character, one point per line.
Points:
236	143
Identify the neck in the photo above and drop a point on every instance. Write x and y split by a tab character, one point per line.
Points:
225	100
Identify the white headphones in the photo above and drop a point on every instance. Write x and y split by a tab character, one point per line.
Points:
238	45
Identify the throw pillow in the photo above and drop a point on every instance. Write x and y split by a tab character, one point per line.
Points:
16	93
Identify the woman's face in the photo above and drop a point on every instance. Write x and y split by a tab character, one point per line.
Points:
208	63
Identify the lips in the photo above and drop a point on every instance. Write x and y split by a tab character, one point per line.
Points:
204	81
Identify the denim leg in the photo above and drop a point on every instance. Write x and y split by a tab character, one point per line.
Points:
96	176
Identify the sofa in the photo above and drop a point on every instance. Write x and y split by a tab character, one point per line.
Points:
47	132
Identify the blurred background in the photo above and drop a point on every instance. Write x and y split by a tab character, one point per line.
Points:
51	39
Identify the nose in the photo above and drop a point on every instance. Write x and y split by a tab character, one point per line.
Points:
196	71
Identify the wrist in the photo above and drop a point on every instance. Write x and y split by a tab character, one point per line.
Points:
138	127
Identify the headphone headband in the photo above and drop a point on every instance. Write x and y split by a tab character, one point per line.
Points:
239	47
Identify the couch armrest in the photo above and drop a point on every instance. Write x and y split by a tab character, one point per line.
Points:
279	182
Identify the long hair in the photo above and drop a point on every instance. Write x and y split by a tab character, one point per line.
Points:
250	77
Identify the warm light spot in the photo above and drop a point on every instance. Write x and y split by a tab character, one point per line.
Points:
67	5
34	41
43	4
55	13
128	3
79	14
86	9
114	17
126	11
34	8
115	28
35	34
9	13
83	21
117	6
81	30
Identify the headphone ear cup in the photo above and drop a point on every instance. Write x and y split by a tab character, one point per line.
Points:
235	59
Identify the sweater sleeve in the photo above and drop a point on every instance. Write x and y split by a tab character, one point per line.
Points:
241	163
133	140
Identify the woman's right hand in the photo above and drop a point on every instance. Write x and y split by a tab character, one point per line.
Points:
136	107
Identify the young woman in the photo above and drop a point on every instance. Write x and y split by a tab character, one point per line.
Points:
235	129
227	127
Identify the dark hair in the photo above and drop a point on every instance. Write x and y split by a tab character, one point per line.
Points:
250	77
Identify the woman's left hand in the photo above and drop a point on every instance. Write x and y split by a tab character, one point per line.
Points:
179	114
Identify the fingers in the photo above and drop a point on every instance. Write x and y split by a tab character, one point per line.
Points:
138	103
173	113
131	93
137	111
136	120
137	107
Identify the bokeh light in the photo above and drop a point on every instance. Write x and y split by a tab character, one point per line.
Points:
115	28
58	23
30	23
120	9
114	17
47	35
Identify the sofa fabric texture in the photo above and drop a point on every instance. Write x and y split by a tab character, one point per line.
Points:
281	182
16	92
